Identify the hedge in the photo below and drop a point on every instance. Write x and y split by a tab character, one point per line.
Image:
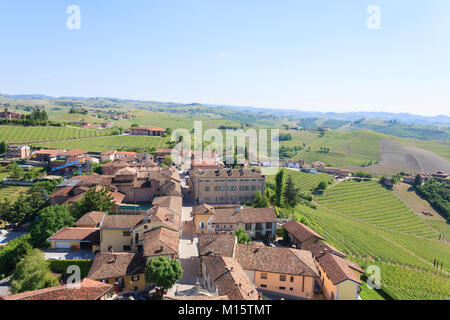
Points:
60	266
12	253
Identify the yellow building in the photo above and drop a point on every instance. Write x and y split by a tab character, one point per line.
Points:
125	271
76	239
281	271
339	277
116	232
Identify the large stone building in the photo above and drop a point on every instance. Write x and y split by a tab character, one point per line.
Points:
225	185
147	131
8	115
18	151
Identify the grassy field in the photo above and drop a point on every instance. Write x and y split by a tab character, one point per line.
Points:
11	192
304	181
346	148
370	202
441	148
32	134
441	226
108	143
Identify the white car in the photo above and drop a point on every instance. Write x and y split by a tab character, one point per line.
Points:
55	258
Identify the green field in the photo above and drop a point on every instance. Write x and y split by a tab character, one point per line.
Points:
304	181
11	192
346	148
370	202
406	262
442	226
36	134
108	143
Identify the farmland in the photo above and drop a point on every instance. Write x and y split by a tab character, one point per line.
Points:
36	134
370	202
406	262
304	181
101	144
11	192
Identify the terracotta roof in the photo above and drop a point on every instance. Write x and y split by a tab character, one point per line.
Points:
172	202
126	153
276	260
338	269
73	153
116	164
150	128
161	241
51	152
63	192
245	215
167	217
229	278
92	218
121	221
163	151
220	244
203	209
300	231
320	248
108	265
77	234
89	290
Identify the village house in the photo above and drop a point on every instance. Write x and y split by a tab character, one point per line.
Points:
225	276
107	155
116	232
8	115
320	248
225	185
76	239
90	220
295	164
338	172
440	174
218	244
301	236
339	277
282	271
125	271
87	289
18	151
147	131
257	222
45	155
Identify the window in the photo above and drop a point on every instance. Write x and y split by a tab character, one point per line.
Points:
282	278
291	289
136	278
207	188
126	233
268	232
292	279
263	286
126	248
248	226
268	225
216	188
282	288
259	226
264	276
253	188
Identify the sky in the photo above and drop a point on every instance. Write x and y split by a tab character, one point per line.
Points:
293	54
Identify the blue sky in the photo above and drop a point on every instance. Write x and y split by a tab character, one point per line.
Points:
310	55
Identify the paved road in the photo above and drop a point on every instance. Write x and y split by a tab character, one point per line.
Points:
188	252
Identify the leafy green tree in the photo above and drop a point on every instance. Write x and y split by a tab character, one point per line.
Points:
163	272
322	186
168	160
242	236
21	210
418	180
32	273
94	200
5	209
15	171
49	221
3	147
12	253
260	201
291	193
169	131
280	182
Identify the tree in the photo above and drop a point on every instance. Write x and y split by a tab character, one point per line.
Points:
169	131
291	193
95	199
32	273
242	236
168	160
3	147
163	272
260	201
5	209
15	171
322	186
49	221
279	187
418	180
21	210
